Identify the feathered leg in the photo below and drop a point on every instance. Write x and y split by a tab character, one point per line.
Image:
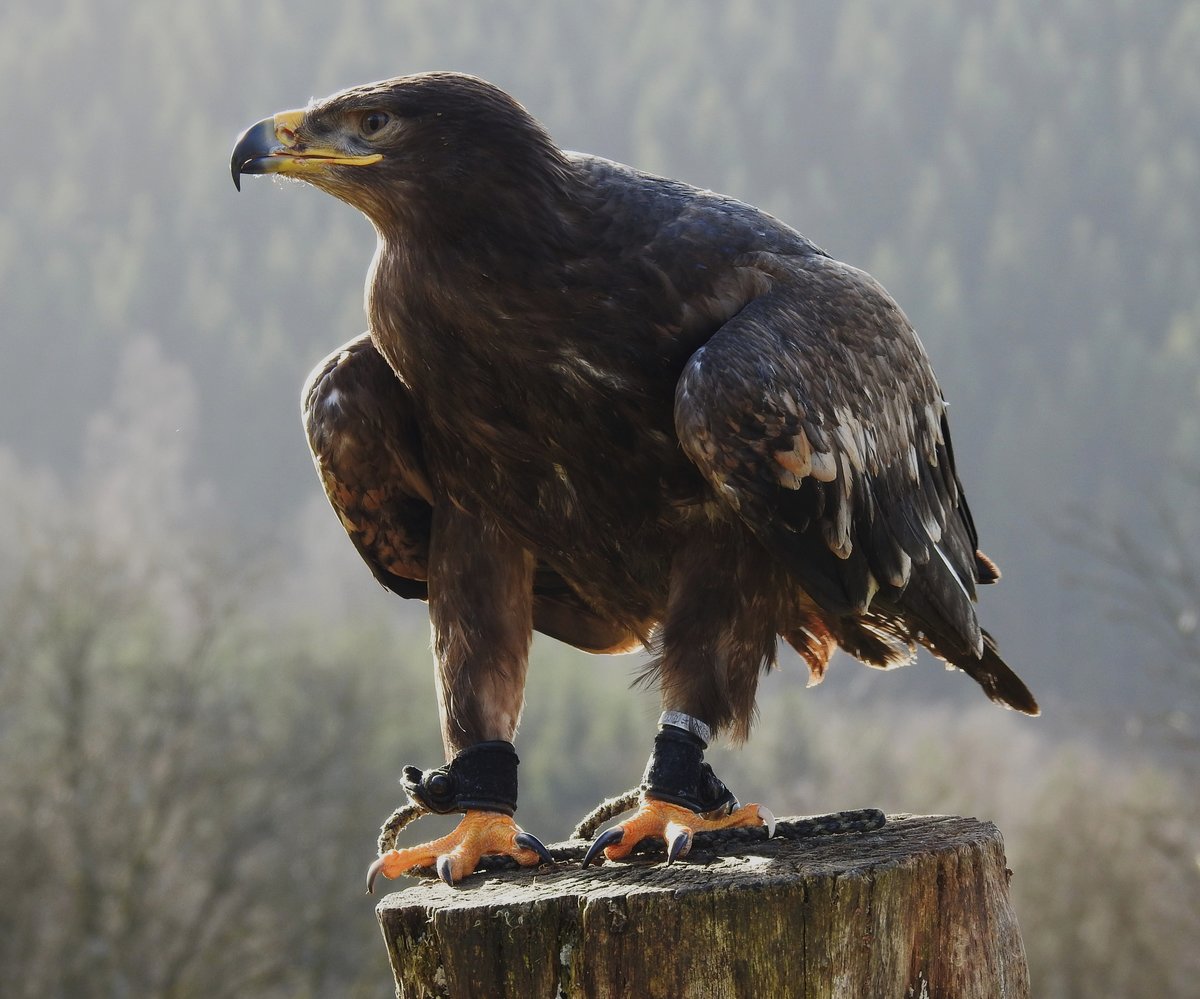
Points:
717	638
480	596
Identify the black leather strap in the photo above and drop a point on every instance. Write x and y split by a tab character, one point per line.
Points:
678	774
483	776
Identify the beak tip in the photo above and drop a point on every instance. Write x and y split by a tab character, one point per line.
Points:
253	145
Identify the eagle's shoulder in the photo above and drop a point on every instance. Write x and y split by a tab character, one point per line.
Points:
663	216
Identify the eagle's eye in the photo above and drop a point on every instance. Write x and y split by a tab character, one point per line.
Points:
373	121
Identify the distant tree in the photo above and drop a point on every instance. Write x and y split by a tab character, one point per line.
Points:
1149	576
187	796
1106	884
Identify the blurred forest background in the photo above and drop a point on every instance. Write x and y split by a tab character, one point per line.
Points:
205	701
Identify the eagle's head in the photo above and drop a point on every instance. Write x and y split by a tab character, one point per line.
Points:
441	145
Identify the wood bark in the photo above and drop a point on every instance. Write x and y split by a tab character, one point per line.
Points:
919	908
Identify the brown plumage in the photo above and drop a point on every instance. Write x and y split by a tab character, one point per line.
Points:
620	410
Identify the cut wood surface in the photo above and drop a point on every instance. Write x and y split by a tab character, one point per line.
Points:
919	908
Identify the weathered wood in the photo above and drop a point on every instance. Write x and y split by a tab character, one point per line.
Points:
917	909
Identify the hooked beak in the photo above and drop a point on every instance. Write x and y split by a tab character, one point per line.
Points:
272	146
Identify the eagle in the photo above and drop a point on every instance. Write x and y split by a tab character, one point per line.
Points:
626	413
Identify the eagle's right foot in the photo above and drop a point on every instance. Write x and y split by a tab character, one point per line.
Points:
481	781
454	856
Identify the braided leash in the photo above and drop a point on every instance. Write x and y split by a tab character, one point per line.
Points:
402	816
607	809
715	841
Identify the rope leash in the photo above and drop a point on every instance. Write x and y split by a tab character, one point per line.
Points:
607	809
402	816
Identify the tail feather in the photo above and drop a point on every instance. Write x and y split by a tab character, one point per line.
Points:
998	681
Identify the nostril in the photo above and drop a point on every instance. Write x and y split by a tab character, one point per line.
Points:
285	135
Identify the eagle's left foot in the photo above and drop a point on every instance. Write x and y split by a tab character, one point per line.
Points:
673	824
680	796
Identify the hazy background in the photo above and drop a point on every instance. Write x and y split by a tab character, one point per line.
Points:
205	701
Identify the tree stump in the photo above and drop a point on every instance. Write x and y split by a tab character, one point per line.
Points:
919	909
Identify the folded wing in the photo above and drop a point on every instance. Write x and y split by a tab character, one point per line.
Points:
364	434
815	415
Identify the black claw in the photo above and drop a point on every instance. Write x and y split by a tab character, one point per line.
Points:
679	845
444	871
527	841
372	874
606	838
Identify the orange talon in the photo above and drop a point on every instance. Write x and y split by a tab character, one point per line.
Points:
455	855
673	824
